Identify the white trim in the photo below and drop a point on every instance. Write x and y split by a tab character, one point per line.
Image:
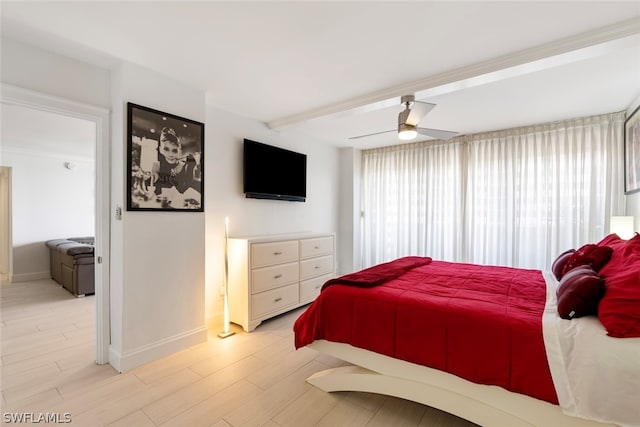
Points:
589	44
101	116
45	154
26	277
123	362
482	404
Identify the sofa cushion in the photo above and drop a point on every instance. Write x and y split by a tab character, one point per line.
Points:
89	240
74	248
52	244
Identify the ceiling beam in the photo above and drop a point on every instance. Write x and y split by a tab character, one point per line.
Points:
589	44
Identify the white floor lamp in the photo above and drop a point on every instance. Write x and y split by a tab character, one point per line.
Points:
226	333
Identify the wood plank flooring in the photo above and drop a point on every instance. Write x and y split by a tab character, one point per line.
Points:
258	379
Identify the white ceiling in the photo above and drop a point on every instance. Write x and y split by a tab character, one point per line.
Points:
336	69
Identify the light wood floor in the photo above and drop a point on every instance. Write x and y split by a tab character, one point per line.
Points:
257	379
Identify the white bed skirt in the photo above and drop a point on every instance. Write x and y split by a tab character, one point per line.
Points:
485	405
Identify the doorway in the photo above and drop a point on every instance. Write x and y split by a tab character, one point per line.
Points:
12	95
5	224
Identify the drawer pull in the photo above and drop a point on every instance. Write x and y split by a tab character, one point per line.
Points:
277	253
316	247
277	276
277	299
317	267
317	286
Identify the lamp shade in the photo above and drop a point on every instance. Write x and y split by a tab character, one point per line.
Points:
622	226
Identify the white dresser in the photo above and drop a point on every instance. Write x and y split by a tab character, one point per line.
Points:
269	275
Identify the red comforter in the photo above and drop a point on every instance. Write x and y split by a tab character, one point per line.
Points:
481	323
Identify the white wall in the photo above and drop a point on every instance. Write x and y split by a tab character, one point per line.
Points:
29	67
159	260
49	201
350	221
224	135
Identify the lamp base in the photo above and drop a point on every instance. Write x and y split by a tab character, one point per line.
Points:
225	334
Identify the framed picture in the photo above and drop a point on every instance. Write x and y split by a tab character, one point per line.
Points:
632	153
165	161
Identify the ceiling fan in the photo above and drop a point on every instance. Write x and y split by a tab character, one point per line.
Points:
408	120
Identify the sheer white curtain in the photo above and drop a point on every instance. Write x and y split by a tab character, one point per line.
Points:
517	197
534	192
412	202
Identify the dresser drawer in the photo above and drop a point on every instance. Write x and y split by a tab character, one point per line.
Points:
310	289
265	278
316	247
316	267
264	254
274	300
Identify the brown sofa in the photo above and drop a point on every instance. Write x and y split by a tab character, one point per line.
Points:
72	264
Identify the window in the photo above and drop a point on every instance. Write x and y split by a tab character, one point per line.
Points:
517	197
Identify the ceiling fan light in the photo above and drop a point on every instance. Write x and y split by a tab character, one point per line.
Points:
406	132
407	135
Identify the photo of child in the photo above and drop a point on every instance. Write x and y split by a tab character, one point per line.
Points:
165	161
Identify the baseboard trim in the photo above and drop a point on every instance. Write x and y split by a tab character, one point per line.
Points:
125	361
26	277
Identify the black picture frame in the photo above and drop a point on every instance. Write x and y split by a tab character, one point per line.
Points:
165	161
632	152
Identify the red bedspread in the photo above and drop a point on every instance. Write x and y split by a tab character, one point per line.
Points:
481	323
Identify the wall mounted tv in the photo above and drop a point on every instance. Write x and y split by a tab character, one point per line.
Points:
274	173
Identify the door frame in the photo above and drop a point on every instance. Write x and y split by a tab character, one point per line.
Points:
101	117
5	225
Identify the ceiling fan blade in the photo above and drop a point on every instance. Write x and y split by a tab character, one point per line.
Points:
419	109
371	134
436	133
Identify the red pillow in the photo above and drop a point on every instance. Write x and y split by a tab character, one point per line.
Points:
579	293
589	254
622	249
619	310
612	240
559	263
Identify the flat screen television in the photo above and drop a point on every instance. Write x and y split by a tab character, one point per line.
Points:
274	173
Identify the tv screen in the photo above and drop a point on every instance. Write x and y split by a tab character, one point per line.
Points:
274	173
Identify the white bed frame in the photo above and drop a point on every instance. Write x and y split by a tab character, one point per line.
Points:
488	406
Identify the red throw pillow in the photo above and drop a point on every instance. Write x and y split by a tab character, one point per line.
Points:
589	254
581	270
579	293
559	263
612	240
622	250
619	310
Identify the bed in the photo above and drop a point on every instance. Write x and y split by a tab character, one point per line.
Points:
489	343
